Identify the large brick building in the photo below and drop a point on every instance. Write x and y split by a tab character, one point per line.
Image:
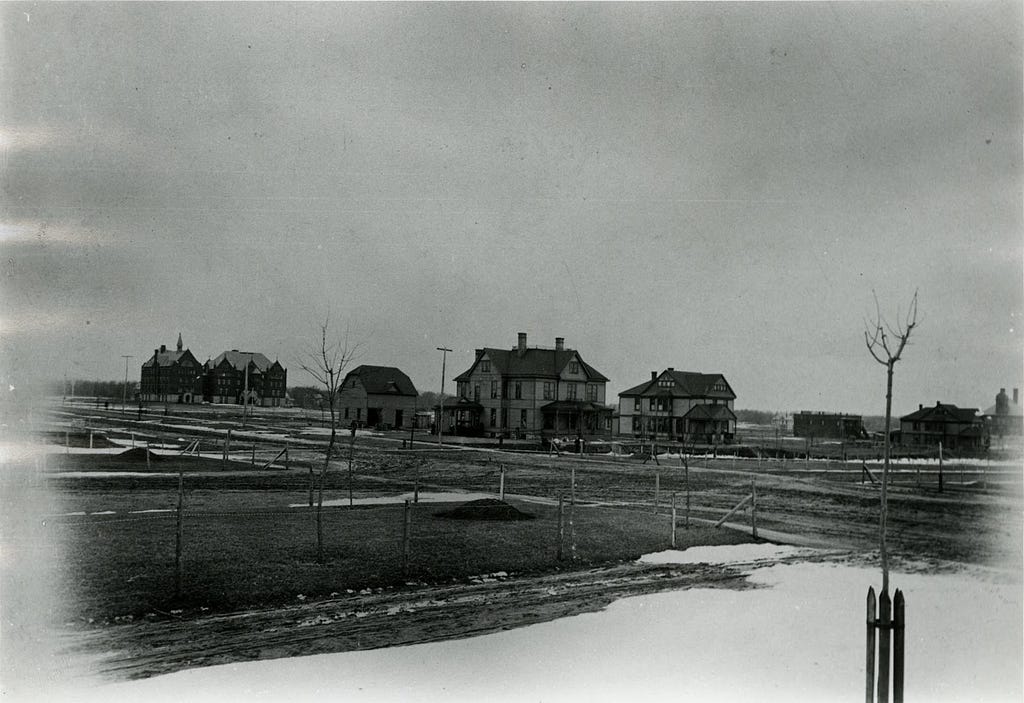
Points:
831	425
236	376
171	376
528	390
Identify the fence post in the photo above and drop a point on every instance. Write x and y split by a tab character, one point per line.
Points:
869	666
884	625
561	526
177	542
416	485
253	461
753	509
897	647
406	520
673	541
286	461
657	491
940	467
572	513
501	483
147	455
686	470
90	439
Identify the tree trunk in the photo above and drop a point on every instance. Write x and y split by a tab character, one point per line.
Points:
884	509
320	496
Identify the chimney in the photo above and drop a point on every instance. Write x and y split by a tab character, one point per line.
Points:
920	406
670	369
1014	396
478	352
155	352
559	343
521	347
654	375
163	347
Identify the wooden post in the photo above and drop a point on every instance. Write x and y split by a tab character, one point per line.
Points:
406	523
884	624
133	440
147	455
90	439
869	667
287	463
501	483
753	509
897	647
657	490
673	539
253	462
686	471
177	543
351	451
227	445
940	467
572	513
416	485
561	526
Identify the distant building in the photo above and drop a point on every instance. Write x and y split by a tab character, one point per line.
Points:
955	428
1005	419
171	376
830	425
542	390
244	378
679	405
377	396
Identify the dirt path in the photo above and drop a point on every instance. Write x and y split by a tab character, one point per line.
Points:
390	618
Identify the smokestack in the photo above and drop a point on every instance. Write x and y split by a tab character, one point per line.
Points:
522	343
654	375
1014	396
559	343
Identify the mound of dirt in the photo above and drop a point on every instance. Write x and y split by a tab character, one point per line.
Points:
138	454
485	509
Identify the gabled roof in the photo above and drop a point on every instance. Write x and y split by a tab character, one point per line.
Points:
383	380
239	360
709	412
168	357
687	384
942	412
534	362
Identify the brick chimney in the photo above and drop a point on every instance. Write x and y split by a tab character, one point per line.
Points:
1014	396
654	375
521	347
559	343
163	347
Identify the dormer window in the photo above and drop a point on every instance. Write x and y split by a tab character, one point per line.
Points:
574	367
485	365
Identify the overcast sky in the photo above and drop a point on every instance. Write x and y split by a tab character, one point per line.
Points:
712	187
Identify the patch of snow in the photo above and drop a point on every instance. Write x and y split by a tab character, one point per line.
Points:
108	474
724	554
798	638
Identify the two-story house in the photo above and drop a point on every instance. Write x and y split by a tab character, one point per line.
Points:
528	390
955	428
679	405
377	396
171	376
245	377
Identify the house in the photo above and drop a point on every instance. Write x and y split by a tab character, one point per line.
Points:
244	377
528	390
679	405
955	428
1005	419
832	425
377	396
171	376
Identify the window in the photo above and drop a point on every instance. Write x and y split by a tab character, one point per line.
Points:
519	390
522	417
651	404
485	365
346	413
574	367
637	405
476	392
549	390
570	391
494	389
666	383
504	417
592	392
494	416
359	413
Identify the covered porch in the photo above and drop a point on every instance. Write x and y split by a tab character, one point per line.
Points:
459	416
709	424
576	417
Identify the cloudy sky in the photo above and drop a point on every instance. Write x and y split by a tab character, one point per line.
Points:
712	187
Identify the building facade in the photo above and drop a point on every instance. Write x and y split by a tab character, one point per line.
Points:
528	390
377	396
830	425
241	377
1005	419
680	406
953	427
171	376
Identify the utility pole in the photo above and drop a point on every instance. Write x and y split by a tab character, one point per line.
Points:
440	413
124	391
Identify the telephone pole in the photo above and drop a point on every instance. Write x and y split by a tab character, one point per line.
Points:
124	391
440	413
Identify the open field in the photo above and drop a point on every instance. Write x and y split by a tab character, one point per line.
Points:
250	581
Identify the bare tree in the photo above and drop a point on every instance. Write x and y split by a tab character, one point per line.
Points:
886	344
326	362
